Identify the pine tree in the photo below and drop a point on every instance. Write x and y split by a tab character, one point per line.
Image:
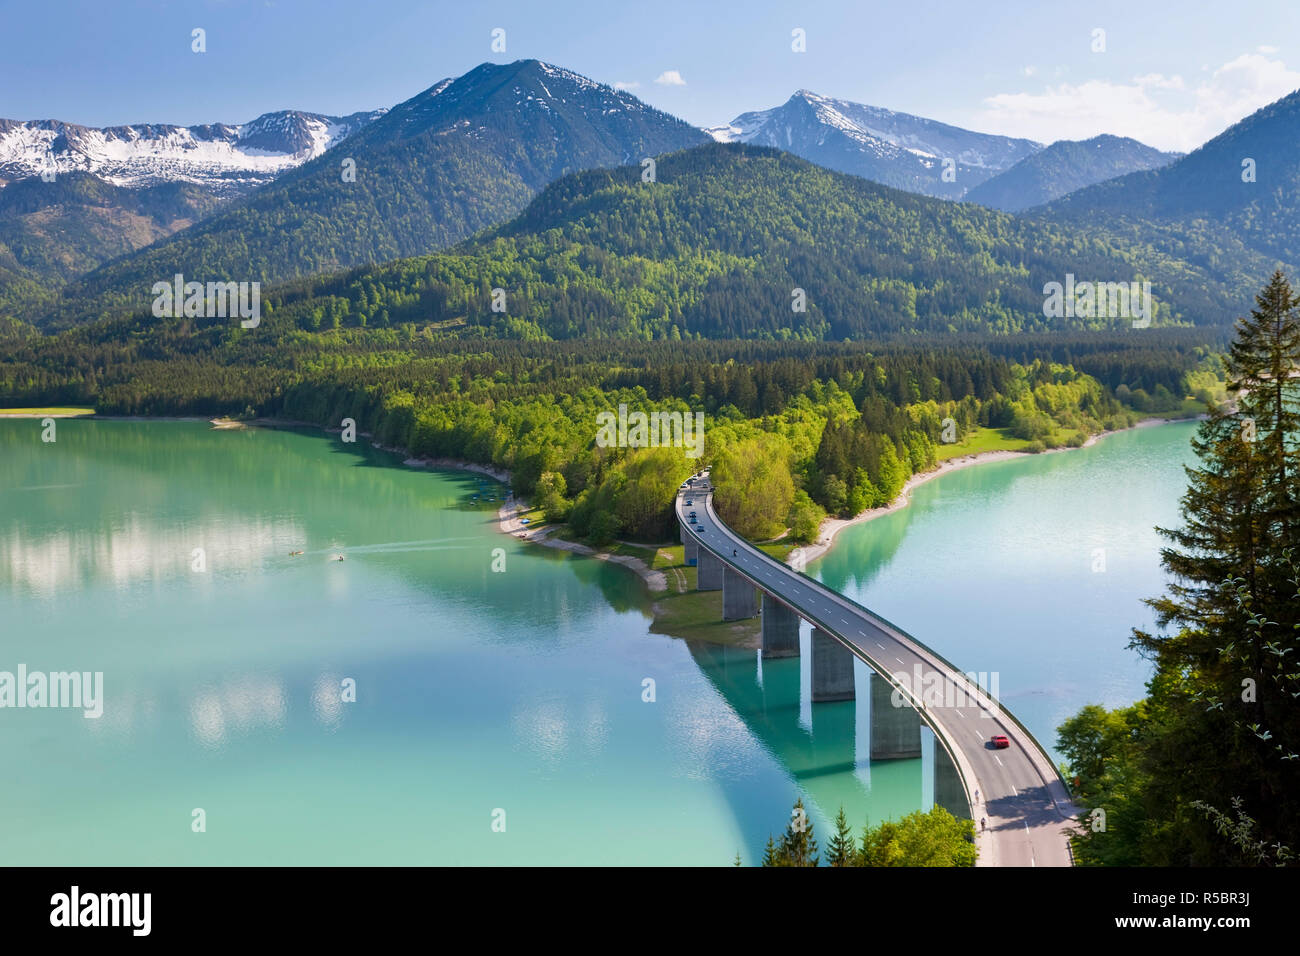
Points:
798	845
841	851
771	855
1263	361
1226	681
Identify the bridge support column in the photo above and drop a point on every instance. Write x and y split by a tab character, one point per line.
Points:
948	792
832	669
739	599
690	548
895	731
708	573
780	629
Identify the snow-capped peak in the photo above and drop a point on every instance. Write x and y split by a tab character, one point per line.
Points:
229	159
894	148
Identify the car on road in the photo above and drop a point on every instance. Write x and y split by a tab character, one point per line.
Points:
689	503
1000	742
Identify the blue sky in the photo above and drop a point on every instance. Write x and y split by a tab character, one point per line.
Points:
1172	73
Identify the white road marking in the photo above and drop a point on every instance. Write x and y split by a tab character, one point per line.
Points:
998	759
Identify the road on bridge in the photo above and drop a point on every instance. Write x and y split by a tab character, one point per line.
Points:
1023	798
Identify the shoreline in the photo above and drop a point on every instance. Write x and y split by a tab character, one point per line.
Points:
508	523
830	527
506	520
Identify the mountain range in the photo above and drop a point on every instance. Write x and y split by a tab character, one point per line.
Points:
1240	187
896	149
226	160
1062	168
73	197
736	241
462	155
471	152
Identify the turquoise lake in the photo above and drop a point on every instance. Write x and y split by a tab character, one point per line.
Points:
479	691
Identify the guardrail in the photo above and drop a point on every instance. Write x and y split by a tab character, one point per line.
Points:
941	739
831	592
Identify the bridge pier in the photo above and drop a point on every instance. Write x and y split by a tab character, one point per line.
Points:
690	547
780	629
739	598
895	731
948	791
832	669
708	573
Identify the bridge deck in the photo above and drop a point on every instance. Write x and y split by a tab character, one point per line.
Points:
1027	806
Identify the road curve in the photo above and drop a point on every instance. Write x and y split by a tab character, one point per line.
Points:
1021	795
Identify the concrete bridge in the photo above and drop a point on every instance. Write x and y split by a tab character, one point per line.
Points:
1020	793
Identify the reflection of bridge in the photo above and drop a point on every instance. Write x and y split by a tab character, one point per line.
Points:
823	748
1020	792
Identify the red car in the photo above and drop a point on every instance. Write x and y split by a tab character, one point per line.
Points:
1000	742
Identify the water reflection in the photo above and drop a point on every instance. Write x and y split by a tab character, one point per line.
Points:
822	753
861	556
241	706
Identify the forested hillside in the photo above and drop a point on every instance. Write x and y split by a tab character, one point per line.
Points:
720	247
51	232
837	426
1238	190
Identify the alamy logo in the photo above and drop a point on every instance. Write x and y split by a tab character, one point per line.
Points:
216	300
102	909
948	689
1098	300
74	689
653	430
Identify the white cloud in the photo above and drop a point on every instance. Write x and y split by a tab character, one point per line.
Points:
1163	111
670	78
626	85
1029	70
1269	50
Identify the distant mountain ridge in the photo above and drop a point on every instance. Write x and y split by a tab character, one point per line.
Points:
228	160
74	197
463	155
895	149
1243	186
1063	167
